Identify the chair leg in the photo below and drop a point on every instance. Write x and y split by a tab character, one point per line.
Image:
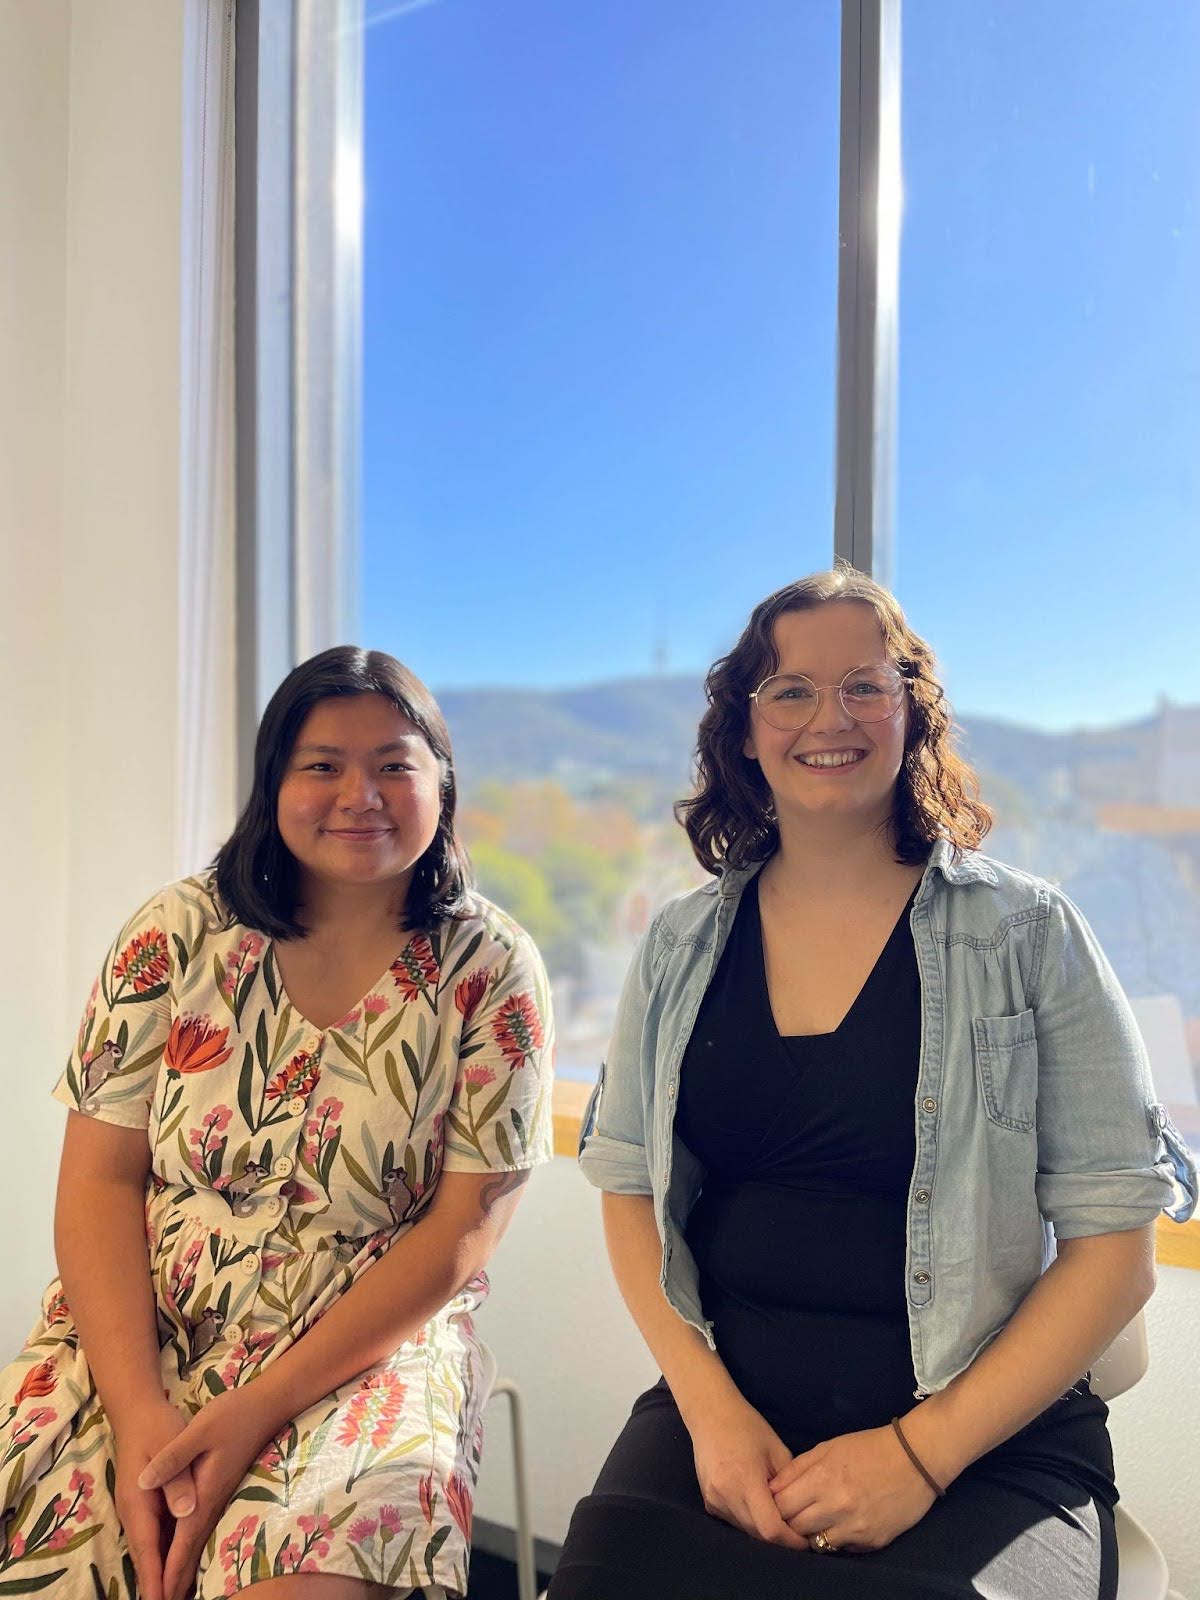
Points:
526	1571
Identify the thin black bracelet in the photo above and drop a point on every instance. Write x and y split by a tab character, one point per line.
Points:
916	1461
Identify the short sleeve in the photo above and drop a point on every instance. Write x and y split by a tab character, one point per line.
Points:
113	1068
501	1117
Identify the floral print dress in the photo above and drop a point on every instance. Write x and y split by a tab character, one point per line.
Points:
285	1160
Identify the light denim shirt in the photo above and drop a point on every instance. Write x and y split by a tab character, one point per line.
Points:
1035	1113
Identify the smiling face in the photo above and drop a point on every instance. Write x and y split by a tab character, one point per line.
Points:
361	794
824	643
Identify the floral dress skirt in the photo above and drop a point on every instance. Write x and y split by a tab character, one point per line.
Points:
285	1161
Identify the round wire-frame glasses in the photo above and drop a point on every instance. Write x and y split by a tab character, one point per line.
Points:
789	700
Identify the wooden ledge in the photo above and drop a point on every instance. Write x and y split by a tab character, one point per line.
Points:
1177	1245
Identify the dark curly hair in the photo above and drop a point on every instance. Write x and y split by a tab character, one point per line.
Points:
257	875
729	818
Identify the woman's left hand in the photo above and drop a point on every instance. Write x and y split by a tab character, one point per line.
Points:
220	1443
860	1490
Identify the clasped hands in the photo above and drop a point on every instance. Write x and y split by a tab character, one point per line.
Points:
859	1489
175	1478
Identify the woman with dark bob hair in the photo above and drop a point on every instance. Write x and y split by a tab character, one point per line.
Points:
880	1161
307	1089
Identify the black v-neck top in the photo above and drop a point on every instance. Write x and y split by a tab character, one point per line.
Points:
808	1143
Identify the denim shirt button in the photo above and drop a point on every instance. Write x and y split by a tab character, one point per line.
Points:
920	1277
929	1103
922	1197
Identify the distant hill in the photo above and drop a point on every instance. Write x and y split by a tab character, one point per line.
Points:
645	729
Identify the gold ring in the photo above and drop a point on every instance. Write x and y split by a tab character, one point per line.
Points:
820	1542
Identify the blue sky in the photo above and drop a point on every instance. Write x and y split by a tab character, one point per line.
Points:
600	292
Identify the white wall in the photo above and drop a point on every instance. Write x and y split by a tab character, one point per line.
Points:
34	56
89	484
89	464
558	1328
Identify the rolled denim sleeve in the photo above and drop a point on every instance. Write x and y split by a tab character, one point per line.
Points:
612	1142
1106	1160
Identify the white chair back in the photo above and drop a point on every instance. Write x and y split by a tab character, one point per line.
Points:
1124	1362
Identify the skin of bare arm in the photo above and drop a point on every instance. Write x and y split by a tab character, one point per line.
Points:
100	1243
862	1491
388	1305
736	1450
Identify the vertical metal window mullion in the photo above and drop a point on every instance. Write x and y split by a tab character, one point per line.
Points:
263	94
868	281
327	337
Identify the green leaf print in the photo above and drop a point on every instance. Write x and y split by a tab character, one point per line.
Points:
397	1566
360	1177
392	1072
219	980
469	950
182	955
72	1543
29	1585
503	1145
246	1087
434	1545
260	1041
519	1124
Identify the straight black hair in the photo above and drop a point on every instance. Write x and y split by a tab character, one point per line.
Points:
257	875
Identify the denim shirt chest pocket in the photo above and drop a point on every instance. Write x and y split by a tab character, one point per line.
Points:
1006	1061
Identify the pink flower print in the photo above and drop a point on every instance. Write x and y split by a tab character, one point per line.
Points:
376	1004
236	1546
241	964
415	970
317	1531
289	1556
389	1519
321	1127
362	1531
459	1499
470	992
518	1029
16	1546
478	1076
373	1411
350	1020
62	1506
58	1538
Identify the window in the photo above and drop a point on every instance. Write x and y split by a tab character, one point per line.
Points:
600	281
1048	481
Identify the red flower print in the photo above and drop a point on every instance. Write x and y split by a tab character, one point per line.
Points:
415	969
470	992
300	1076
57	1311
38	1381
375	1005
478	1076
460	1501
144	961
518	1029
195	1044
363	1530
373	1411
390	1519
426	1492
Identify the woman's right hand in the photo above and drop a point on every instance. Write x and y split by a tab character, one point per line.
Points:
148	1516
737	1454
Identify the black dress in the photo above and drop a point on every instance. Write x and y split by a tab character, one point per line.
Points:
799	1237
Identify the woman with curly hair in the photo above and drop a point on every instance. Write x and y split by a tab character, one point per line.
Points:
880	1162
